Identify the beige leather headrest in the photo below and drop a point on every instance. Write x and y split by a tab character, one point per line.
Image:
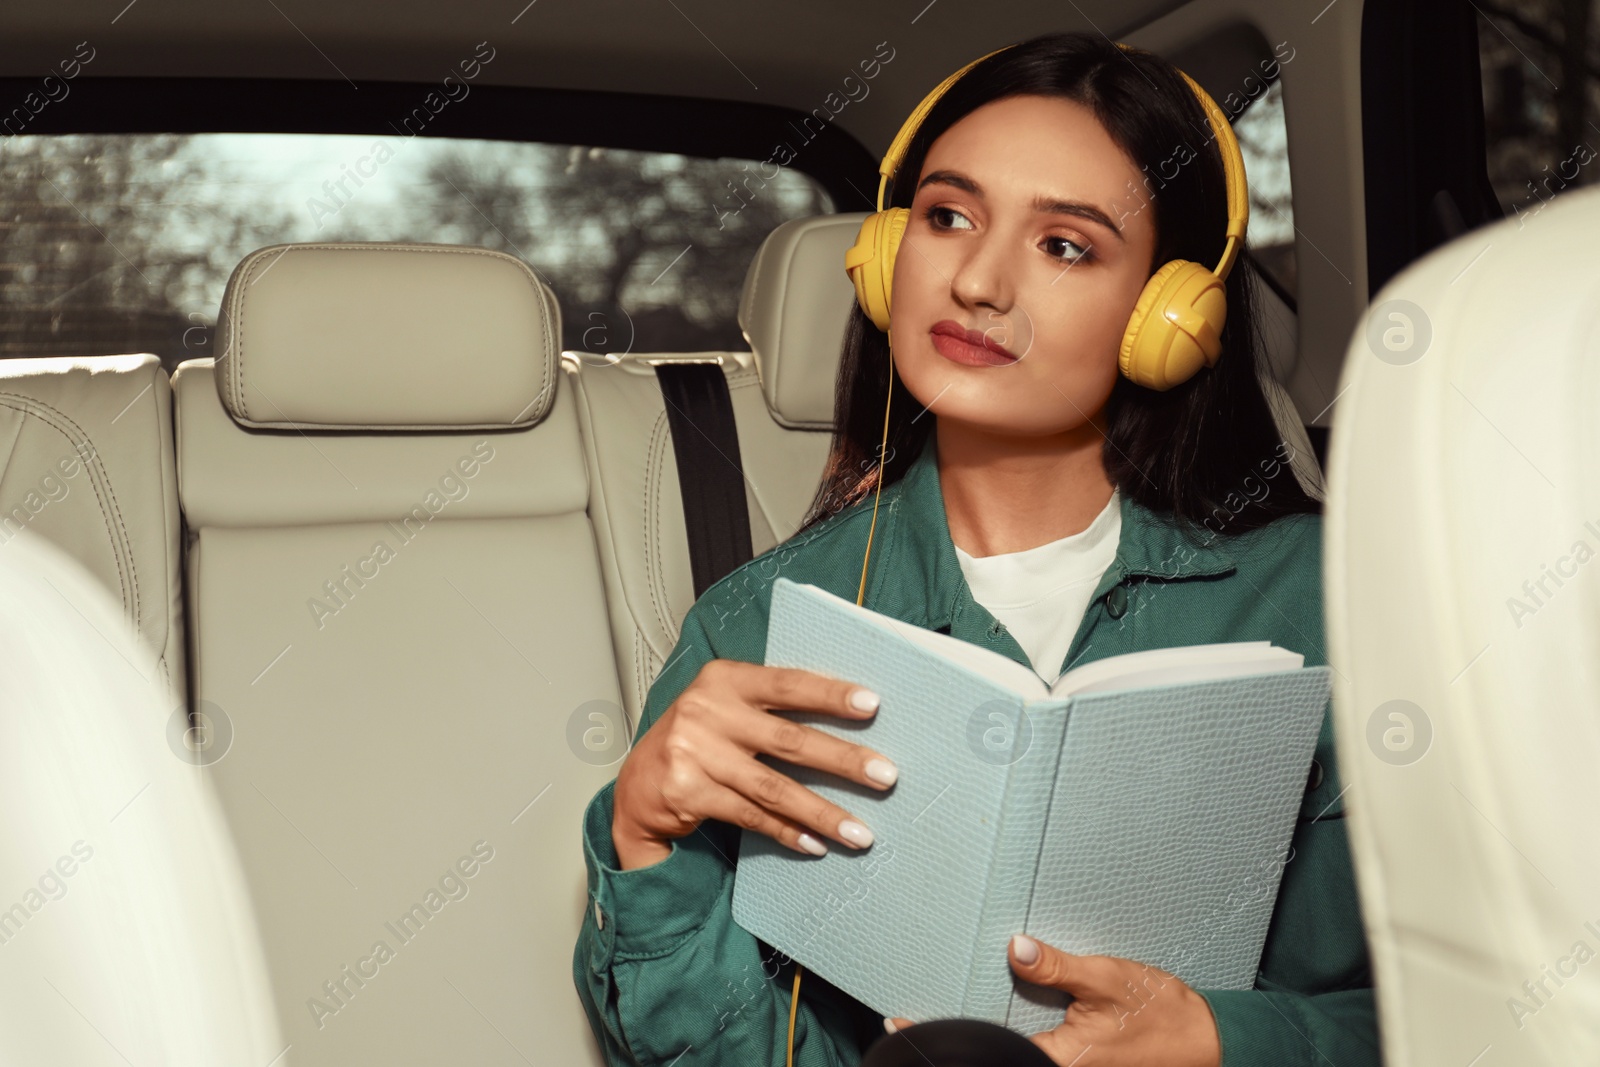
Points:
380	337
793	312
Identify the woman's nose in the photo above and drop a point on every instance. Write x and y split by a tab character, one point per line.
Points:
982	276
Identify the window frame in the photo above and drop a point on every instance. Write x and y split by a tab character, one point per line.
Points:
688	126
1422	131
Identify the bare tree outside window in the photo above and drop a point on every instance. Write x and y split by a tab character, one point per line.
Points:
1264	143
123	243
641	247
1540	61
87	265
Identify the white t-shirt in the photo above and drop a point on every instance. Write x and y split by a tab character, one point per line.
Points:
1041	593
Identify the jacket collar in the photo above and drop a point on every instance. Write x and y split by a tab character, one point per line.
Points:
915	543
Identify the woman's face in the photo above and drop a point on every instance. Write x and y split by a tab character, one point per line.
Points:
1031	228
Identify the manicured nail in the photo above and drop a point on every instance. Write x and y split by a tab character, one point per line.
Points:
812	845
882	771
855	833
864	700
1025	948
888	1026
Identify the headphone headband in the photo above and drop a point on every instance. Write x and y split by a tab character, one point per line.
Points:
908	129
1232	159
1233	177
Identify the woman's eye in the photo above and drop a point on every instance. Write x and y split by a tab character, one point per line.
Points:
946	218
1066	251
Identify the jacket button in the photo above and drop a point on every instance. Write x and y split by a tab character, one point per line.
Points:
1117	602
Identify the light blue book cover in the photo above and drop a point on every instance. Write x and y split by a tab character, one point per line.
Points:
1105	814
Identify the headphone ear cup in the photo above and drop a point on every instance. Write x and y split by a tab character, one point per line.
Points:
870	262
1175	328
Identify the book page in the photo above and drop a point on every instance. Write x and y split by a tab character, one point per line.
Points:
1132	670
981	661
1171	666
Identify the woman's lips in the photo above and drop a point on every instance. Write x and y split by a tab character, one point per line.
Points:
969	347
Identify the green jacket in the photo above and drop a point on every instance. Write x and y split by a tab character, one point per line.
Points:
667	977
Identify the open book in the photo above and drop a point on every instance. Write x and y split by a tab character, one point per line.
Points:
1141	807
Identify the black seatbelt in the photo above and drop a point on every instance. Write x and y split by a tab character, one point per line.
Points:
705	440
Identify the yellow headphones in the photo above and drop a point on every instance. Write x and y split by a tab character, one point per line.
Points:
1176	326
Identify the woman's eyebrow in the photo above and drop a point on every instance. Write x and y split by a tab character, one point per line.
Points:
950	177
1045	205
1050	206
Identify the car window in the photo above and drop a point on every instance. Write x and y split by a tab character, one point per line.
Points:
1264	144
1541	123
123	243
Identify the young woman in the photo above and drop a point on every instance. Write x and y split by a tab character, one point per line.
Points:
1034	500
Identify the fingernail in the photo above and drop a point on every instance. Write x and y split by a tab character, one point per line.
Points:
889	1026
812	845
1025	948
855	833
864	700
882	771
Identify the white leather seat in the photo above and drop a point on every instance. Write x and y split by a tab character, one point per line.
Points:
1464	627
403	622
86	463
126	933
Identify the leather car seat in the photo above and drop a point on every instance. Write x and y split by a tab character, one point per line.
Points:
1463	600
396	608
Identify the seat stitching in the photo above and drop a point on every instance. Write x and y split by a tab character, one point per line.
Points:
172	632
641	675
644	516
755	275
633	655
546	298
121	550
655	465
652	665
605	531
750	380
238	352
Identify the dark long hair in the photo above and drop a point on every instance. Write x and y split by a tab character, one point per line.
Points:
1200	451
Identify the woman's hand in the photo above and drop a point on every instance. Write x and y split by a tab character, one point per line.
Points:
1124	1014
698	762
